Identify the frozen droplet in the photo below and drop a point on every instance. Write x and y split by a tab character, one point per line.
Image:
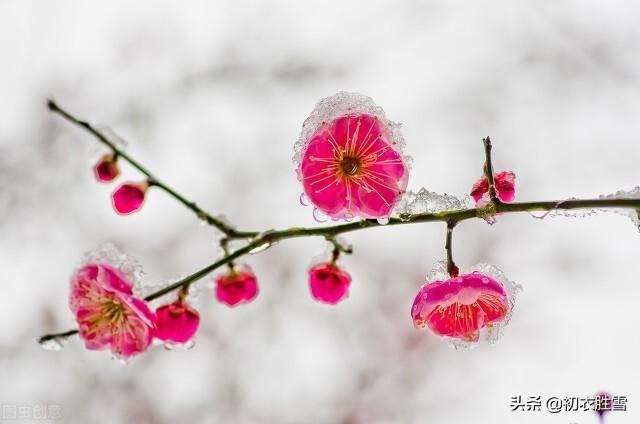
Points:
120	360
541	216
304	200
189	345
54	344
490	220
265	244
383	220
319	216
168	346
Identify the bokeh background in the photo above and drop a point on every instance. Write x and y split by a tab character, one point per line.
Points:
211	95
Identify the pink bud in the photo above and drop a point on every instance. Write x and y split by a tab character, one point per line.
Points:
106	169
237	287
328	283
505	183
129	197
176	322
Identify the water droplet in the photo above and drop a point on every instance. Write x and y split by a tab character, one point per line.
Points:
189	345
543	216
319	216
55	344
384	220
259	248
304	200
168	346
490	220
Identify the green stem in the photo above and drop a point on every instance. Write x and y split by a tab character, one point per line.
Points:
228	230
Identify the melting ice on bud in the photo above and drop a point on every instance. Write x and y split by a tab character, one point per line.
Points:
129	197
237	286
349	158
464	310
329	283
107	170
425	201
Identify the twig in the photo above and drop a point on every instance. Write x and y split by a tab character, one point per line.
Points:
452	269
228	230
488	170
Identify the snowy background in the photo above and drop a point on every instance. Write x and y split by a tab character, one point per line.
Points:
211	95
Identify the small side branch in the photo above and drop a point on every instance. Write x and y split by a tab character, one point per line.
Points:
488	170
228	230
452	269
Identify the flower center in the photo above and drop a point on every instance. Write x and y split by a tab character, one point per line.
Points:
113	311
350	165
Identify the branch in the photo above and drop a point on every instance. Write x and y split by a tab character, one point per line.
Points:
452	269
452	218
228	230
488	171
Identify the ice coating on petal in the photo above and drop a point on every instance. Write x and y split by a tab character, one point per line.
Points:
329	283
237	287
472	307
125	267
128	197
349	158
176	322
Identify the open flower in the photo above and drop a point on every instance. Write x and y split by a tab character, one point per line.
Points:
350	158
505	183
177	322
106	170
129	197
471	307
107	313
329	283
237	286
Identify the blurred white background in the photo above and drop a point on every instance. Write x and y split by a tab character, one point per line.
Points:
211	96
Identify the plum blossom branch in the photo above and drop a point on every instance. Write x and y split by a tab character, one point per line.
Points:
452	218
259	241
227	229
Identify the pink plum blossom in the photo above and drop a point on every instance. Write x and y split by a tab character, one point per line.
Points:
350	160
106	170
107	312
466	308
505	183
129	197
177	322
237	286
328	283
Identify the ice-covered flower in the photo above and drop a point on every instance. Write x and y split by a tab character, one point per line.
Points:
107	312
177	322
129	197
505	183
471	307
350	160
107	170
329	283
237	286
